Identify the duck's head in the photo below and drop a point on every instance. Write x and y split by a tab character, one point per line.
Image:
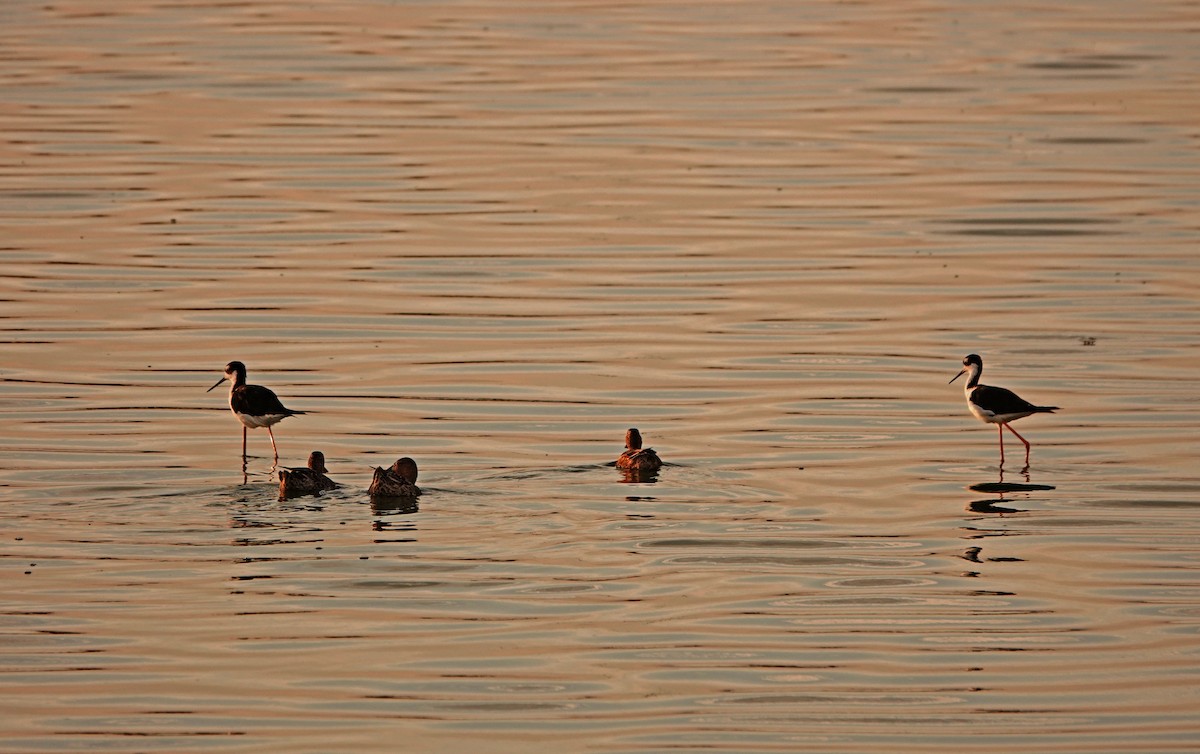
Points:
406	468
633	439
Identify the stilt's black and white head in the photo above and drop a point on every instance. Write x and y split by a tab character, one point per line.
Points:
235	372
973	366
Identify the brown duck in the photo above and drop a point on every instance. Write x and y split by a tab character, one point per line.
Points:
398	481
635	457
309	481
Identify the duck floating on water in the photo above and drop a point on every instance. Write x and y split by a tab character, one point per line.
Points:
400	480
635	457
309	481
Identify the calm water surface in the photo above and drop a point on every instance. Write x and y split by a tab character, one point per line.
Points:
492	238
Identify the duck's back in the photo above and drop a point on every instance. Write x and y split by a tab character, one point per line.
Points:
386	483
641	459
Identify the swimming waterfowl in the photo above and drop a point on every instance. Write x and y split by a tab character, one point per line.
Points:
254	405
398	481
309	481
996	405
635	457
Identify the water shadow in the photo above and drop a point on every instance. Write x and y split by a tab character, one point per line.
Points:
1000	504
638	476
383	505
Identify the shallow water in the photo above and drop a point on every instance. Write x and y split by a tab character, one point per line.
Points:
492	238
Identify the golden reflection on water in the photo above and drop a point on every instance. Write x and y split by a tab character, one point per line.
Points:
492	238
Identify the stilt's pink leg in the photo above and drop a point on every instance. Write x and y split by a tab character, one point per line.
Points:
1018	434
1022	439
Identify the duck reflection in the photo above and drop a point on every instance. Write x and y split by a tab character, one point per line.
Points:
392	506
637	476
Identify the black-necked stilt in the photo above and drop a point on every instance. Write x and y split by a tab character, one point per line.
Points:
398	481
254	405
307	481
635	457
996	405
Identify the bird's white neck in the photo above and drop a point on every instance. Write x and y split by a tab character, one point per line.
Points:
973	373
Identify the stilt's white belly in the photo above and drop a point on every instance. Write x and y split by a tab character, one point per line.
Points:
257	422
983	415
